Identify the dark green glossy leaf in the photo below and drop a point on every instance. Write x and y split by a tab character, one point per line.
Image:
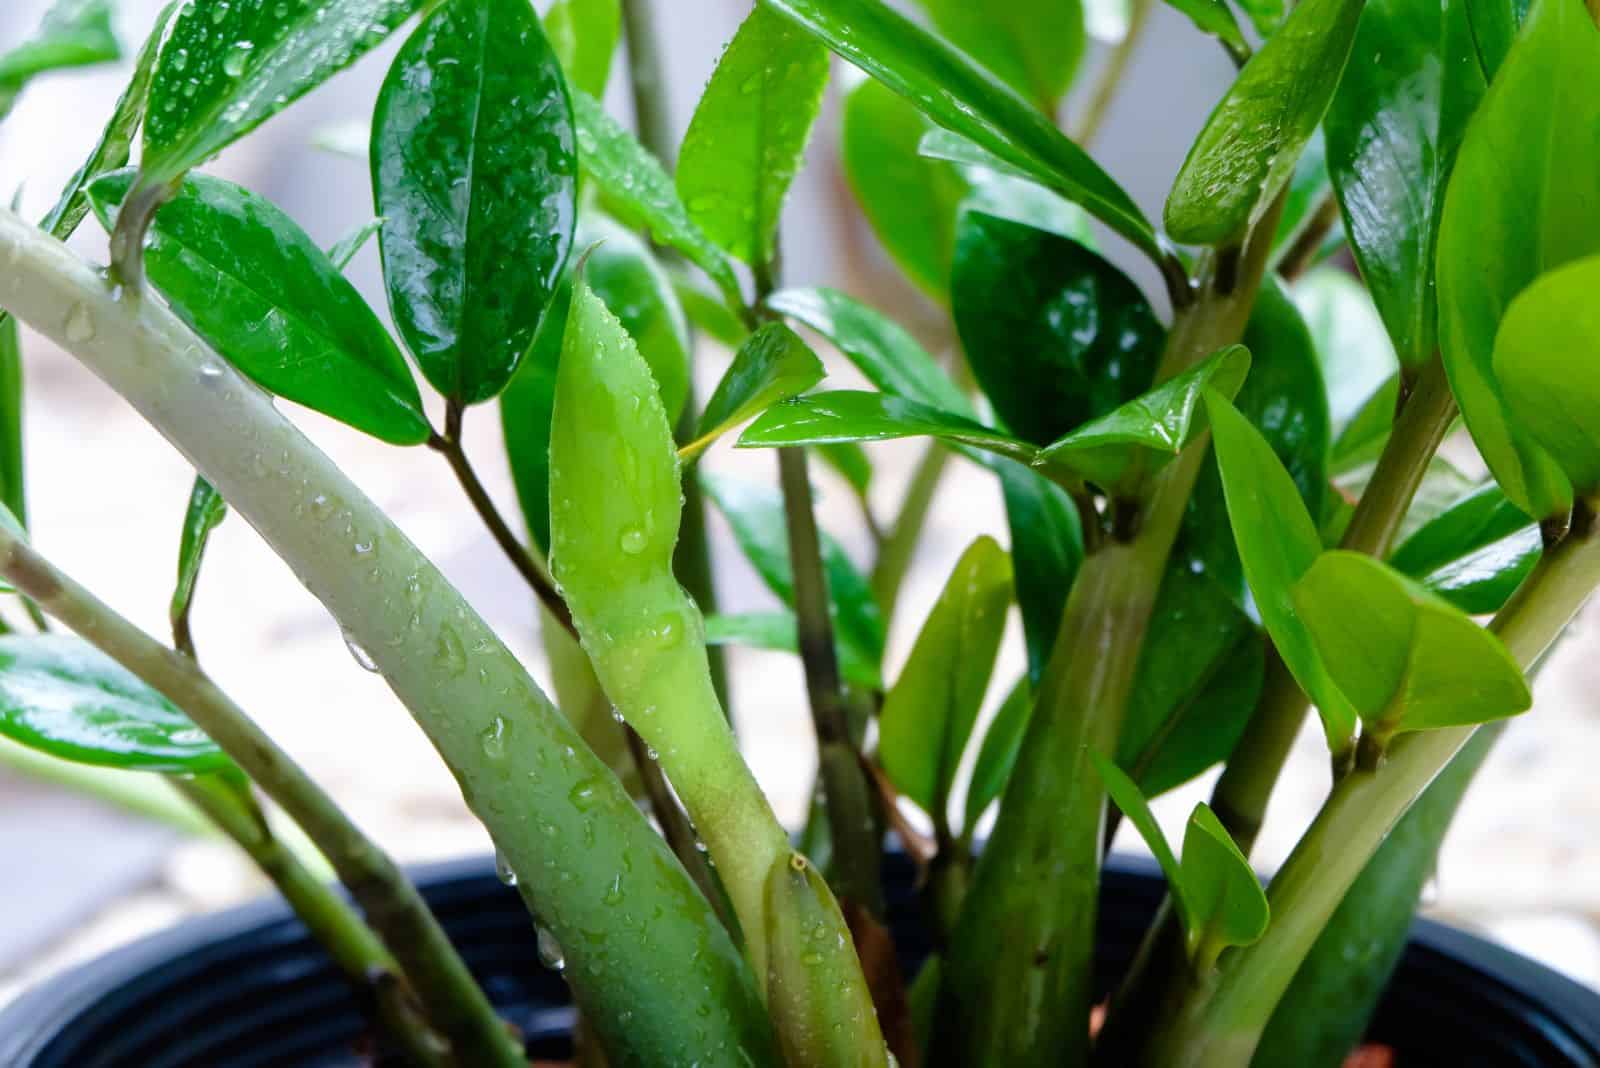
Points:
929	713
268	300
1248	149
881	348
1544	359
1121	448
1520	203
62	696
526	407
755	513
206	509
584	34
74	33
345	249
229	65
1199	675
1000	190
1392	132
1475	554
1494	25
13	486
1356	354
640	192
910	201
998	753
1405	659
956	93
773	365
864	415
475	174
1032	45
1278	542
621	269
1226	904
778	632
749	132
1054	334
1046	551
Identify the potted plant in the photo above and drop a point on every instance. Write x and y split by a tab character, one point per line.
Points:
1213	526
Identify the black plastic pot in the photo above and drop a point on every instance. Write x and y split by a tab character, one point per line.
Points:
248	989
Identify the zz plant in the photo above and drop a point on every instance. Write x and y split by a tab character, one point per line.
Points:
1223	500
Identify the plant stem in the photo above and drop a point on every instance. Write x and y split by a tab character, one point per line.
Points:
1221	1024
523	769
899	547
449	445
451	998
334	924
1313	231
1016	985
850	815
647	80
1111	75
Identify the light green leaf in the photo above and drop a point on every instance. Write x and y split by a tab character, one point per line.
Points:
930	711
749	132
706	309
622	270
772	366
639	191
1216	18
205	511
74	33
849	462
777	632
62	696
1126	796
1264	15
584	34
1520	203
13	485
1032	45
1352	346
1247	151
958	94
345	249
1226	903
1278	543
526	408
1405	659
475	174
229	65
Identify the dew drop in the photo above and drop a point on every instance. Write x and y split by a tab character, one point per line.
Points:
550	952
450	657
632	541
584	794
362	658
502	869
233	63
493	738
321	507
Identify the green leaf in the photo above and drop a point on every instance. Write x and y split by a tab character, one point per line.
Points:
1199	675
849	462
1216	18
475	175
755	512
778	632
639	191
624	273
929	713
74	33
1442	485
268	300
1046	551
1054	334
1393	130
1544	359
1032	45
1278	543
749	132
1520	204
584	35
1000	190
1120	449
878	346
206	510
910	202
1126	796
13	486
229	65
772	366
1247	150
1405	659
345	249
707	310
1362	439
526	408
863	415
1226	903
959	95
1306	194
1264	15
1474	554
62	696
998	753
1355	353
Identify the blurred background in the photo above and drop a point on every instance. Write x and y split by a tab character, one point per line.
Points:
79	874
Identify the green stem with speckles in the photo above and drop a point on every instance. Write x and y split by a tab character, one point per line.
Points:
589	865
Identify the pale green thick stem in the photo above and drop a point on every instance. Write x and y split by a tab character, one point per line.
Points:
1017	987
588	863
334	924
1219	1025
